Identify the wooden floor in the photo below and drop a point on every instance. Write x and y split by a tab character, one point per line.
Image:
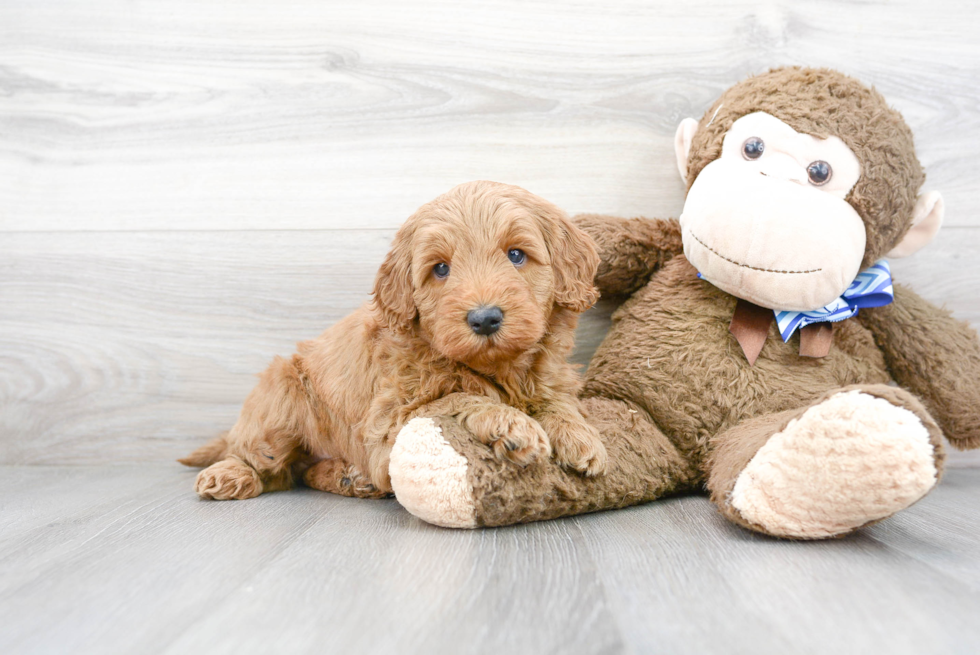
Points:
125	560
189	187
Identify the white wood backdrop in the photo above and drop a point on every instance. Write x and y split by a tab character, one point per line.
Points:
189	187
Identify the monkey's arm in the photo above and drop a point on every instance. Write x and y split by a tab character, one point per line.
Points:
630	249
935	356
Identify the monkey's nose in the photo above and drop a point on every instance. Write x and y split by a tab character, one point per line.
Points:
485	320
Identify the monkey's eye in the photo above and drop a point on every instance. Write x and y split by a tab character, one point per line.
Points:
516	257
819	173
441	270
753	147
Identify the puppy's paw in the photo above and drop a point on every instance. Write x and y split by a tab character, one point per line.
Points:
339	477
511	433
229	479
577	444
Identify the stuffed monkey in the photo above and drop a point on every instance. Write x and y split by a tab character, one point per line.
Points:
763	354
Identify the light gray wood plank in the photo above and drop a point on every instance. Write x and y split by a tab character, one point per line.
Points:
525	590
141	565
754	594
36	506
142	561
299	571
941	530
220	115
113	343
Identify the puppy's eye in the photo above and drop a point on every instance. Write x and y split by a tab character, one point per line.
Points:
516	257
441	270
753	148
819	173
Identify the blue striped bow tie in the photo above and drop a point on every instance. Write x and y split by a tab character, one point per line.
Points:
871	288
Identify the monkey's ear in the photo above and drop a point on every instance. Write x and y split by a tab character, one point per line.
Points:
927	218
682	143
394	304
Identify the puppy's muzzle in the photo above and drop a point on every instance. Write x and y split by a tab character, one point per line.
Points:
485	320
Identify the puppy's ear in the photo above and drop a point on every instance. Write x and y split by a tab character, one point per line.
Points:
574	259
393	304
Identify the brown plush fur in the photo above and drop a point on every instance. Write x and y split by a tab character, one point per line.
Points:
632	250
676	401
693	377
332	410
936	357
643	465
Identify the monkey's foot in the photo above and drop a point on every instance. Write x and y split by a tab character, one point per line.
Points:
848	461
429	477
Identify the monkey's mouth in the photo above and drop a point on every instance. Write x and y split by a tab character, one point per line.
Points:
749	266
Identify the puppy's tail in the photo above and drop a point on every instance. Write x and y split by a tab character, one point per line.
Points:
211	452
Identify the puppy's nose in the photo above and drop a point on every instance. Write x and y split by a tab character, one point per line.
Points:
485	320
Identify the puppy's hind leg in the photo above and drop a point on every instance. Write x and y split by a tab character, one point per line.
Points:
229	479
337	476
277	419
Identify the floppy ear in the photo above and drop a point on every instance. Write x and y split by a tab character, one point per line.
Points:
393	303
575	260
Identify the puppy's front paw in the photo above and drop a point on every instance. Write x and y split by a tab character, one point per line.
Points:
511	433
577	444
229	479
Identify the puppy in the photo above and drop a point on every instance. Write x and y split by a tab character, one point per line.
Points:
473	316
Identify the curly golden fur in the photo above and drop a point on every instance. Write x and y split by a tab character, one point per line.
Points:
331	412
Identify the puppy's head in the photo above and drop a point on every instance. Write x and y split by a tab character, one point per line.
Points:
480	271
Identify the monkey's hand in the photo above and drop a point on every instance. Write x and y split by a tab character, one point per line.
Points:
936	357
630	250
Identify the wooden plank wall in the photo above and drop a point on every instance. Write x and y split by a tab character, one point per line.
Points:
189	187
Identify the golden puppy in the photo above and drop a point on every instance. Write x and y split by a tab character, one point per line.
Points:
473	315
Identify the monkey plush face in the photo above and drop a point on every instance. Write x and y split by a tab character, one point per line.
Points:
799	178
768	220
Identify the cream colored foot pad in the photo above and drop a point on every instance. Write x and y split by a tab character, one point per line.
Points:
850	460
429	476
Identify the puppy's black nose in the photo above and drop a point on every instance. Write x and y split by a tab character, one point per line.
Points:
485	320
